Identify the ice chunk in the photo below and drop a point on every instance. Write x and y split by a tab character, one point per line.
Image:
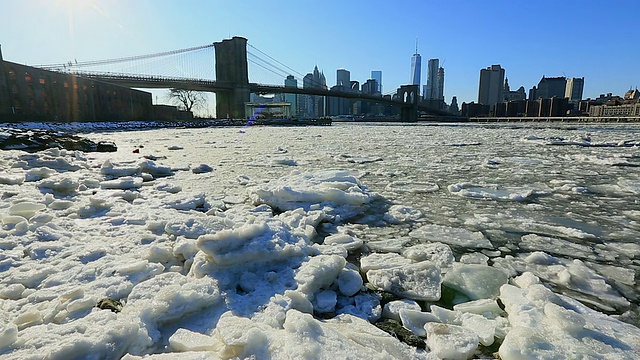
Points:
491	192
415	320
150	167
325	301
475	281
28	318
475	258
110	169
378	261
486	307
64	185
256	242
546	325
388	245
349	281
340	189
8	335
452	236
392	309
186	201
438	253
451	341
348	242
319	272
12	179
419	281
187	340
126	182
12	291
398	214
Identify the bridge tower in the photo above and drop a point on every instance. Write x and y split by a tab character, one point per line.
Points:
231	69
410	95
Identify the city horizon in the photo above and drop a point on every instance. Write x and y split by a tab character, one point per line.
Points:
89	30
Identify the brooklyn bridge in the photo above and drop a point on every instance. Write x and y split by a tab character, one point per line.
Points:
238	70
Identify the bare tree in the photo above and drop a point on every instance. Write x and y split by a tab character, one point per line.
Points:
187	99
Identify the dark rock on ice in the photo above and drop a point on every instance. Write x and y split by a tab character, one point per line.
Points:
396	329
110	304
202	168
32	140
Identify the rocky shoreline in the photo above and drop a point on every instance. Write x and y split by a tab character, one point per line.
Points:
33	140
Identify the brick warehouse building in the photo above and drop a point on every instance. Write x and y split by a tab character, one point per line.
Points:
33	94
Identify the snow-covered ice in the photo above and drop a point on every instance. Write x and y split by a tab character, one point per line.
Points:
210	244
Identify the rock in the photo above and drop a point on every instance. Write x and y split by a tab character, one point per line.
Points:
111	304
394	328
33	140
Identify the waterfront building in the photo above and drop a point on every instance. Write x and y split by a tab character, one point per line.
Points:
491	85
628	109
474	110
549	87
377	75
574	89
453	108
632	94
509	95
292	99
35	94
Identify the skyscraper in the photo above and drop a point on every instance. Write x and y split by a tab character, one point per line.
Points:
491	85
377	76
416	70
343	78
574	89
311	105
549	87
441	83
431	90
291	82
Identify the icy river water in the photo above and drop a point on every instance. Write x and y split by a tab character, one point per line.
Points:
571	191
558	203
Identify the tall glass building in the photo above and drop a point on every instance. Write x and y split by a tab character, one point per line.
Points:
377	76
416	60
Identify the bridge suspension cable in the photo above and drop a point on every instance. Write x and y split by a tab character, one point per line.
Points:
278	67
123	59
194	62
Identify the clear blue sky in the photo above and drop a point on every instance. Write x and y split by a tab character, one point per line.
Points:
594	39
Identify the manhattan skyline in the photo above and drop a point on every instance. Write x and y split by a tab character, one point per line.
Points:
572	38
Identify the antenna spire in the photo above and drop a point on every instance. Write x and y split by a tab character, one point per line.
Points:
416	44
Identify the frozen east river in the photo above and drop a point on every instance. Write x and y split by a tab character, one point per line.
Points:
354	241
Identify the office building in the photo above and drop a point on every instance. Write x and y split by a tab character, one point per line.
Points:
377	76
370	87
343	78
549	87
292	99
508	95
574	89
441	83
313	106
490	89
416	70
431	90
